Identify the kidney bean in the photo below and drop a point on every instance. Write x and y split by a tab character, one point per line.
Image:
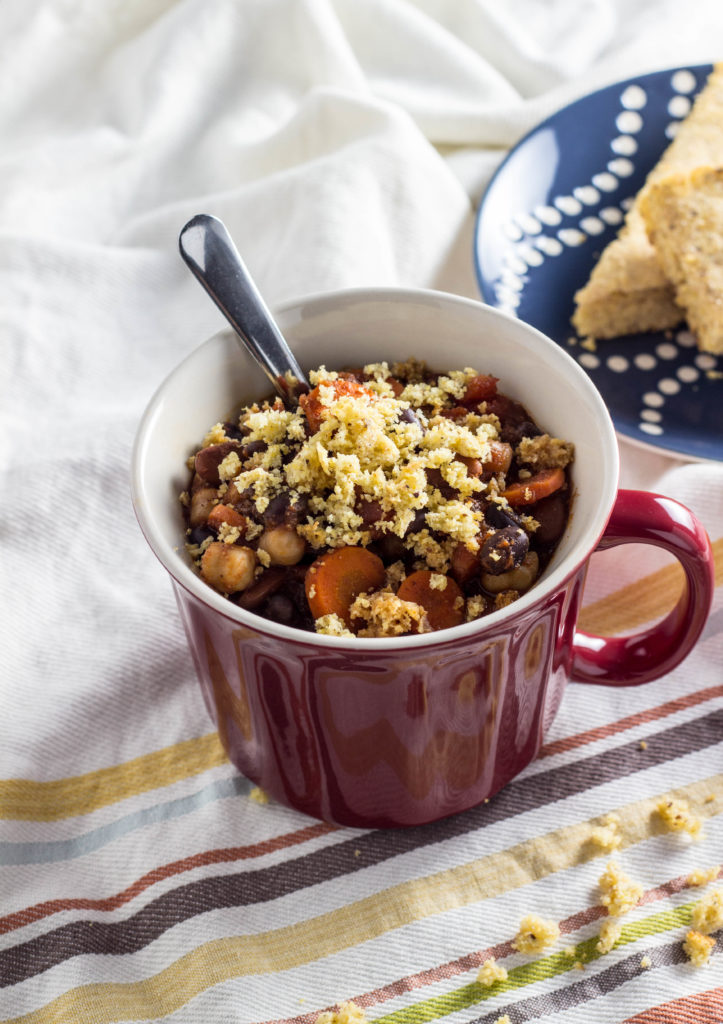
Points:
551	514
209	459
391	548
464	564
370	511
261	590
503	550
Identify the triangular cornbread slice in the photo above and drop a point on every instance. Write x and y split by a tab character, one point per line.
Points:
683	215
628	291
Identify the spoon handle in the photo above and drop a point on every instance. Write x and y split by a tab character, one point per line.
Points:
208	249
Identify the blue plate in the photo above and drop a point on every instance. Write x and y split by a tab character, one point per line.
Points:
553	204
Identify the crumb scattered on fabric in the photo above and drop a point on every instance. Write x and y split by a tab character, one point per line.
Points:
707	913
258	795
610	932
534	934
678	817
348	1013
607	835
697	947
490	973
702	876
619	893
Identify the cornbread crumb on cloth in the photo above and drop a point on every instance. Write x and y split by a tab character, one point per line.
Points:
534	934
610	932
702	876
504	1019
348	1013
607	835
697	947
490	973
707	914
258	795
619	893
678	817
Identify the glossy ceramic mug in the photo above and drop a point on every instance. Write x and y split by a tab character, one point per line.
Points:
402	731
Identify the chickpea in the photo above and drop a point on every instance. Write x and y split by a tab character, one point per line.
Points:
228	567
518	579
202	501
283	545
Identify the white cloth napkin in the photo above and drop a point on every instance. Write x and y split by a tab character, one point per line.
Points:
343	143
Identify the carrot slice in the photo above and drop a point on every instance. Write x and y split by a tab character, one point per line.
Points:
444	608
225	514
338	577
500	458
479	388
535	488
311	403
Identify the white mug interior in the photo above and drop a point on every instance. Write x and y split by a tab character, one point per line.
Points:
351	328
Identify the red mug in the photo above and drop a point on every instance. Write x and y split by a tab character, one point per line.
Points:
403	731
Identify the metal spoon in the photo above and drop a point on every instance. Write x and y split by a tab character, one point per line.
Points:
207	248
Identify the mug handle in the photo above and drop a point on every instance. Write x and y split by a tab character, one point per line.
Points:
640	517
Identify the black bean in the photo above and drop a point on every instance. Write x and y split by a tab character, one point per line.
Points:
199	534
280	608
233	431
418	523
551	514
390	548
435	479
504	550
252	447
499	516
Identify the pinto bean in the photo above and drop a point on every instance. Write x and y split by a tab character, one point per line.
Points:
228	567
521	578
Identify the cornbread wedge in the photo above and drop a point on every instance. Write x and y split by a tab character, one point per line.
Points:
628	291
683	216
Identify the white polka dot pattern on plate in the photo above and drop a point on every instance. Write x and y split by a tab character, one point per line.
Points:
592	225
605	181
629	122
624	145
634	98
679	106
683	81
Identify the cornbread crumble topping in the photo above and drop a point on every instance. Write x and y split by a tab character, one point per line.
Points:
440	496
